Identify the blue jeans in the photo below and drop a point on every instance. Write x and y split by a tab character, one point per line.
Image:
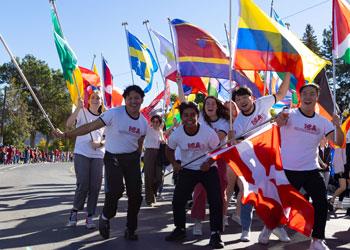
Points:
246	216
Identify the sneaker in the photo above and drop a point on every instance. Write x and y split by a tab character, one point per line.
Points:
215	241
281	233
264	236
176	235
245	236
317	244
330	205
103	227
236	219
90	223
197	228
225	221
339	205
130	235
73	219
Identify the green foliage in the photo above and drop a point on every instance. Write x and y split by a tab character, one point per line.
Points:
310	39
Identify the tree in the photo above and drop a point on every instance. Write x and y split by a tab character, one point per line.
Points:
310	39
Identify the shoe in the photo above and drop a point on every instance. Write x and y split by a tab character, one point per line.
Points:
130	235
73	219
225	221
103	227
330	205
197	228
281	234
339	205
347	215
245	236
264	236
215	241
236	219
176	235
318	244
90	223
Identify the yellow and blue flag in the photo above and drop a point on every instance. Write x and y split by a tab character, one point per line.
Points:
142	60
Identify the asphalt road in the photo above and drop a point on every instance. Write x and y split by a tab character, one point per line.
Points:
35	201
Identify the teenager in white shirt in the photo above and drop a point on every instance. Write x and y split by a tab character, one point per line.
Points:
216	116
88	159
125	131
252	114
301	133
152	167
194	140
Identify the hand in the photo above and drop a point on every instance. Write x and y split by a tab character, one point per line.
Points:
205	166
58	133
95	145
176	167
282	119
230	135
336	120
80	104
178	78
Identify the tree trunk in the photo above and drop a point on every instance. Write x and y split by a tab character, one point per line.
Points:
32	139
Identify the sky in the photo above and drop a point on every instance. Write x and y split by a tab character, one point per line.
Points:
93	27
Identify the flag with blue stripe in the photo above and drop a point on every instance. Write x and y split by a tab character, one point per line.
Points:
142	60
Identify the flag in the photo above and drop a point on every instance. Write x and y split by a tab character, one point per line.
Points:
341	30
345	128
173	113
69	62
263	44
142	61
112	96
91	82
200	54
147	111
257	162
325	103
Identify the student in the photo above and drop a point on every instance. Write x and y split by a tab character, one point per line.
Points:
301	133
193	140
252	114
88	159
125	131
216	116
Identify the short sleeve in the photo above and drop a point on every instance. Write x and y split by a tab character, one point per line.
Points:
328	127
107	117
172	142
213	139
266	102
79	120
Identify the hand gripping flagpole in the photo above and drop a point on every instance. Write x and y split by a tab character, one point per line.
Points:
241	136
127	46
155	53
26	81
74	79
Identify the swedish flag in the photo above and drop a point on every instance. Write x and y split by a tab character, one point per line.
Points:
142	61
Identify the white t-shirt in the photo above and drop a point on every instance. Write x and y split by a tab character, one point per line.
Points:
122	131
192	146
83	142
153	138
300	139
219	125
260	114
348	137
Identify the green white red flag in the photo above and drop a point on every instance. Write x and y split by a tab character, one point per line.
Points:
341	30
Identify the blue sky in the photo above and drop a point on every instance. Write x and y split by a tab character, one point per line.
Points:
94	27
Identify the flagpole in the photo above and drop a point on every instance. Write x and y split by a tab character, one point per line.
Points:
127	46
74	79
103	81
231	64
155	53
93	62
26	81
267	55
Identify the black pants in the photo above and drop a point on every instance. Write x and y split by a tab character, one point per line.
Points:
187	180
313	184
117	167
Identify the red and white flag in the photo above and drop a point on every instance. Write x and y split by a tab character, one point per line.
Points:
113	96
257	162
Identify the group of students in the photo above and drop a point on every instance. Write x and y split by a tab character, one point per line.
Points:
124	129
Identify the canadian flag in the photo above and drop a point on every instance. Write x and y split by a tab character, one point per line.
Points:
257	162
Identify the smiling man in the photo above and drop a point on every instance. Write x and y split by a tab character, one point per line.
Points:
301	132
125	131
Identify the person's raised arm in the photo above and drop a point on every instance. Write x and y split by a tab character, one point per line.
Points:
338	139
282	91
180	88
71	121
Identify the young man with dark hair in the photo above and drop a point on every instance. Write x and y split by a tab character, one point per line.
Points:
125	132
301	132
195	139
252	114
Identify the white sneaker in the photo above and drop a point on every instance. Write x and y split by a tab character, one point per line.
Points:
281	233
236	219
90	223
245	236
73	219
339	205
317	244
264	236
197	228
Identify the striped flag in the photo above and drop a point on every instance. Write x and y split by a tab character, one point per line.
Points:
341	30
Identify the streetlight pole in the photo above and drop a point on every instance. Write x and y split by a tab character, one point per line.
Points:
3	116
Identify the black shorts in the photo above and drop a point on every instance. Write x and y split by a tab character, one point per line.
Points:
345	174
